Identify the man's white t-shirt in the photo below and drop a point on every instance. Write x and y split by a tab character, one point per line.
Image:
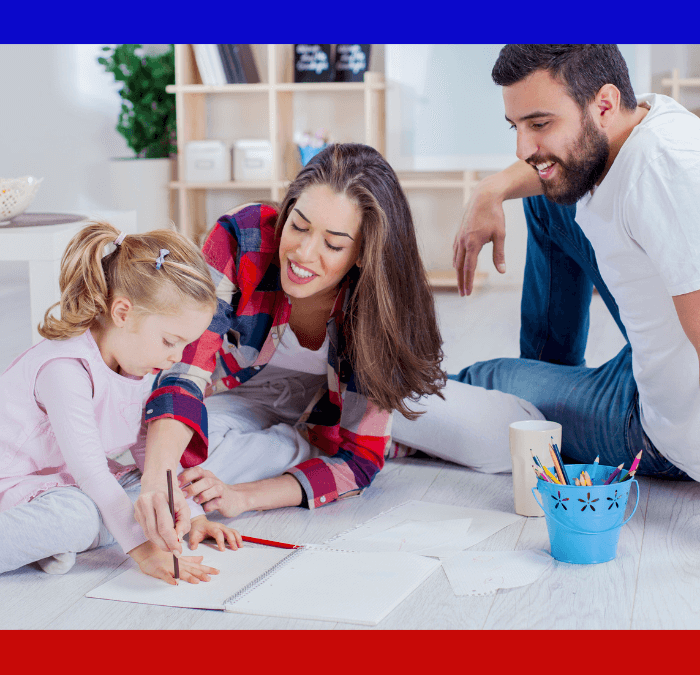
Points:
643	221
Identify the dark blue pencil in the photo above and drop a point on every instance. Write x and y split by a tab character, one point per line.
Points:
561	461
536	458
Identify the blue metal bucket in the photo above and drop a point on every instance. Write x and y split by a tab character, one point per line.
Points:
584	522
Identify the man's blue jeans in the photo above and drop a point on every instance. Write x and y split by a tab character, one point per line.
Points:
598	408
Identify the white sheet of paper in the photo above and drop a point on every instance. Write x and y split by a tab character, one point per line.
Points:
484	524
443	537
323	585
484	572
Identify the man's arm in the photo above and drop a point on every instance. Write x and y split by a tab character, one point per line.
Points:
484	221
688	310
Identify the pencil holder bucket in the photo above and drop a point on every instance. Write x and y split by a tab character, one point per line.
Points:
584	523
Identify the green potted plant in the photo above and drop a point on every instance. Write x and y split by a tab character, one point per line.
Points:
147	123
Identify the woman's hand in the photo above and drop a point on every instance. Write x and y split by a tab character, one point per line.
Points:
152	512
202	528
212	493
158	564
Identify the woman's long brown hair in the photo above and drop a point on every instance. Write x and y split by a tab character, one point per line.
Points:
390	334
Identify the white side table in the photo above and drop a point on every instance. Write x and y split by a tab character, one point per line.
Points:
40	239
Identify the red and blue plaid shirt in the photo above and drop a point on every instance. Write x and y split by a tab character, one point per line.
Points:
253	313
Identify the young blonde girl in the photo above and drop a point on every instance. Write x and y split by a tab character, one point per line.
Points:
73	402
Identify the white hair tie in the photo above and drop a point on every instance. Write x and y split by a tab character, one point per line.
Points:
119	239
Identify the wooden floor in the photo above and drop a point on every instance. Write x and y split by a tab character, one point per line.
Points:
653	583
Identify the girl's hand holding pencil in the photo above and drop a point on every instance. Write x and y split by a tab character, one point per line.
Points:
152	512
158	564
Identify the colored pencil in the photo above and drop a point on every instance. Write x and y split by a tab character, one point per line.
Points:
557	468
538	472
613	475
633	468
555	447
594	468
628	476
588	478
576	482
560	462
550	475
535	458
268	542
171	503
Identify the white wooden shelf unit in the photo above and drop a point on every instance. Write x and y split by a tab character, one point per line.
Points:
676	82
191	106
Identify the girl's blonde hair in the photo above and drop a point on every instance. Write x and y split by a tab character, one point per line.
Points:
89	280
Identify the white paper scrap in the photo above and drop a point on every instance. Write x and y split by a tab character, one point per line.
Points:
444	537
484	572
433	520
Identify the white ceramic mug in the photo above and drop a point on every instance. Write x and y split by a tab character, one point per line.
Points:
535	435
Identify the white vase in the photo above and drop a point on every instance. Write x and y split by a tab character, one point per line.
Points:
142	185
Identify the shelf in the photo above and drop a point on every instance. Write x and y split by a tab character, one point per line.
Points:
328	86
431	184
447	278
230	185
681	81
411	183
262	88
676	82
217	89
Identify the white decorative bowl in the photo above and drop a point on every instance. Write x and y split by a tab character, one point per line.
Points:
16	194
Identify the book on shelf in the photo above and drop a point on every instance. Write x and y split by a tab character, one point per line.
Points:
209	64
228	63
215	59
351	62
312	63
246	59
205	72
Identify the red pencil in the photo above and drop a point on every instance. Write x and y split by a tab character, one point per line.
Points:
267	542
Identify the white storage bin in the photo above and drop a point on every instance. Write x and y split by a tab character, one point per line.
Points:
252	160
207	161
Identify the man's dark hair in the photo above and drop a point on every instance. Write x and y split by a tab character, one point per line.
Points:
583	69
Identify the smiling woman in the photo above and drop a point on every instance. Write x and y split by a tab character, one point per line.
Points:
325	326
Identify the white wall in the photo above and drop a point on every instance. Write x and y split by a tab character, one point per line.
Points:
58	117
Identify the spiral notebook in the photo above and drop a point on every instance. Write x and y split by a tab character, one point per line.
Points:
309	583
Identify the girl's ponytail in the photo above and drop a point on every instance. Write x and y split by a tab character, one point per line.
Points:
89	282
84	289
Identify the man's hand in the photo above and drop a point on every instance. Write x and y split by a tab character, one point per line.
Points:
212	493
483	221
152	512
202	528
158	564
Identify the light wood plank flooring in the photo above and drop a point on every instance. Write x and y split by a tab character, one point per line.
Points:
653	583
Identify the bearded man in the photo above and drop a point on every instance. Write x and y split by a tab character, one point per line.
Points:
612	199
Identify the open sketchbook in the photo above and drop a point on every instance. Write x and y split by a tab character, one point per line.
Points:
309	583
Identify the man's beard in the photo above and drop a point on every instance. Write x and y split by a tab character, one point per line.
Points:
584	166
